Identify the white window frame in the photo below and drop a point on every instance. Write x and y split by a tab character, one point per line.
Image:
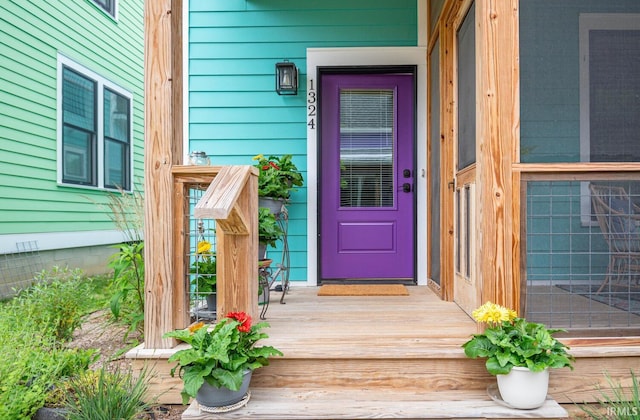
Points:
101	84
589	22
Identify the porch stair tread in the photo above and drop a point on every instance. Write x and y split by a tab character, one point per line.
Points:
343	404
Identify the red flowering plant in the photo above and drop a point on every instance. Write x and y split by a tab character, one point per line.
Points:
220	355
278	176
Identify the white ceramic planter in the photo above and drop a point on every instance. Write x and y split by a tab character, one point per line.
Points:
524	389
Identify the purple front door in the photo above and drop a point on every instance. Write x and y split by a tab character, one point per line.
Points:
367	177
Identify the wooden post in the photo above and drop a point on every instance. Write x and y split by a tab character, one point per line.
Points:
232	199
498	138
163	148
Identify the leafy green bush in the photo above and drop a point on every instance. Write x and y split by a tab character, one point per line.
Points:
56	302
33	361
104	395
33	328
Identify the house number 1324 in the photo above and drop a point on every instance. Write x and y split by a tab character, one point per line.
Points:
311	106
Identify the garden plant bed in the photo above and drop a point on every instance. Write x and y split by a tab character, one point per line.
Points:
98	331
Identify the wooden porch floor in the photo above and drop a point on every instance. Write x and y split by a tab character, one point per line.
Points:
384	357
417	325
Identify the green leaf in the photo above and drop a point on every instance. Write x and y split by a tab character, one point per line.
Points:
228	379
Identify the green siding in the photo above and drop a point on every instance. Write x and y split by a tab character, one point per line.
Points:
31	36
234	112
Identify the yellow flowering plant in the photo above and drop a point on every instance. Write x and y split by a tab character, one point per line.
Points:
204	268
509	341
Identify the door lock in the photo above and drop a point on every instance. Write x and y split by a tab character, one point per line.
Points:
406	173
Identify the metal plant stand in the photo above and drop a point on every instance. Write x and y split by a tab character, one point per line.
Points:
276	278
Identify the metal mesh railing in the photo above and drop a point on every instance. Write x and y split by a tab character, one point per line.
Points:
575	279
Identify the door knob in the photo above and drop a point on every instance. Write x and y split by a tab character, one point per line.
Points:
406	187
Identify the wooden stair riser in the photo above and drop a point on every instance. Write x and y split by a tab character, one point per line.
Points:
416	375
410	374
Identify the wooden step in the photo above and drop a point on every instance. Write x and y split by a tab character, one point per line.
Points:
388	373
325	404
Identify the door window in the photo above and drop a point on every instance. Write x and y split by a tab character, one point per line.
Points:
366	148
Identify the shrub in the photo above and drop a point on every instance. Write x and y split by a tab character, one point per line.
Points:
56	302
33	361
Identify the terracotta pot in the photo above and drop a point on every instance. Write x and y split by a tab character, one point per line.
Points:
522	388
210	396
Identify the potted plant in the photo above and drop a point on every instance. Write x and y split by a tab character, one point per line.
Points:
268	230
516	349
203	270
216	368
278	177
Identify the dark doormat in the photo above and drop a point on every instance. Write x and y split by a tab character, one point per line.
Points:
620	297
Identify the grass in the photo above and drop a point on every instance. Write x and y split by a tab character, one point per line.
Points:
617	401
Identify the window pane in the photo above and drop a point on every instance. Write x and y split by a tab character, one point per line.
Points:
77	156
116	140
116	116
366	148
614	93
78	100
108	6
467	91
435	163
116	172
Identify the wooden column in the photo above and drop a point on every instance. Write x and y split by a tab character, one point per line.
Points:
498	125
162	149
448	132
232	200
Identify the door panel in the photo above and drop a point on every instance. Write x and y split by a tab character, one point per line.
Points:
467	287
366	177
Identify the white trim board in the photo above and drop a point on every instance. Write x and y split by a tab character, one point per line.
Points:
369	56
61	240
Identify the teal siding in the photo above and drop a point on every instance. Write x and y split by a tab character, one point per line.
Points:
234	112
31	36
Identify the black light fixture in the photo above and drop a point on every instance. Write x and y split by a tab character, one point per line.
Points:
286	78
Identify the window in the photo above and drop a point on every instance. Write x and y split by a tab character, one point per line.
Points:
109	6
609	92
94	125
609	87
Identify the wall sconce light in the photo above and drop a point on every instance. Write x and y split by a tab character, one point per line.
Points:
286	78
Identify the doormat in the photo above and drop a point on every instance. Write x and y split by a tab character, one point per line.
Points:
363	290
624	298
